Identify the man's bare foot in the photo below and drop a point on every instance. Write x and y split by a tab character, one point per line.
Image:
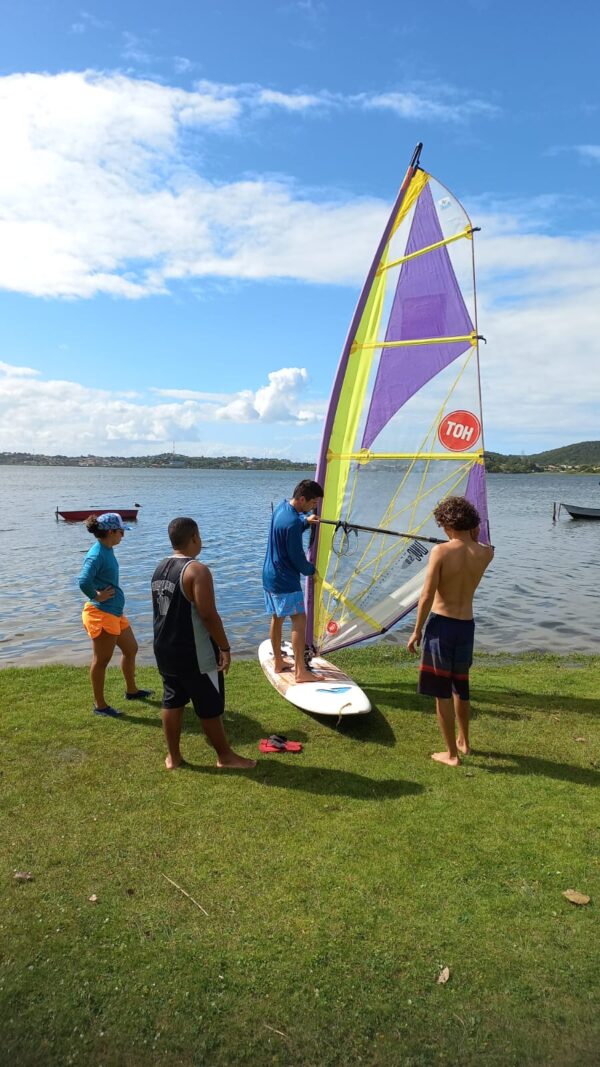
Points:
284	665
463	747
308	676
445	757
233	762
173	765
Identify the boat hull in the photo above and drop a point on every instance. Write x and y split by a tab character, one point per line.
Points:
127	514
577	512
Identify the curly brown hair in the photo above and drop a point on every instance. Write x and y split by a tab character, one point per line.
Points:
456	513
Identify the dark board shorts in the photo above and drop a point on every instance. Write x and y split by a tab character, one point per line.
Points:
447	654
205	691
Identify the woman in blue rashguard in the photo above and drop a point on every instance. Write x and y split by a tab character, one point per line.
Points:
103	616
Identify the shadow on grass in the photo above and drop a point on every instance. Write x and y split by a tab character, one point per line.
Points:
372	727
242	729
515	703
321	780
533	765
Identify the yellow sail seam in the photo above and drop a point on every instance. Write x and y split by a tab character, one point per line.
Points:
430	248
470	337
365	456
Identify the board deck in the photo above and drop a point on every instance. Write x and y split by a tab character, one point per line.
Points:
337	695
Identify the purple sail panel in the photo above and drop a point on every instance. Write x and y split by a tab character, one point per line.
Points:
476	494
427	303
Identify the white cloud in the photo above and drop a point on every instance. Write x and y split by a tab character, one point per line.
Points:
182	64
12	371
88	21
97	198
589	151
447	106
136	49
100	196
192	394
73	419
275	402
538	307
290	101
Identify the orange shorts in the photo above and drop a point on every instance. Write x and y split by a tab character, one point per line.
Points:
95	621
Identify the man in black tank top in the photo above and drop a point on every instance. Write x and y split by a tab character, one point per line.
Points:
191	649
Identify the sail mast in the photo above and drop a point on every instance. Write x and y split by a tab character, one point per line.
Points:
413	166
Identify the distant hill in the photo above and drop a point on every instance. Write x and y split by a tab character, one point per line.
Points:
584	452
581	457
165	459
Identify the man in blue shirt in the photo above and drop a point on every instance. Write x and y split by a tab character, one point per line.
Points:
285	562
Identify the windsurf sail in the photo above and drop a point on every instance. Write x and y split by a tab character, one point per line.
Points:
404	425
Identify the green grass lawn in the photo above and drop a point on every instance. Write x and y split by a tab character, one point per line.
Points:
338	882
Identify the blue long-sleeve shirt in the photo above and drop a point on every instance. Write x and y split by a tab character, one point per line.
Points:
285	560
100	570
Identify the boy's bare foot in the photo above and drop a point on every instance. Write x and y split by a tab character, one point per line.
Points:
463	748
173	765
233	762
445	757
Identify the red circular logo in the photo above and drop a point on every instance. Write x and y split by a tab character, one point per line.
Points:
332	627
459	431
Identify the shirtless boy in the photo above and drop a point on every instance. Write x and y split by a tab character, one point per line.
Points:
454	572
191	648
285	562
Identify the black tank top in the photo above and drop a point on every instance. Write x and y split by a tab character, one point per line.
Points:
174	645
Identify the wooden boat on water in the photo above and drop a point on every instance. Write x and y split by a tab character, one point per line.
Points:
81	514
577	512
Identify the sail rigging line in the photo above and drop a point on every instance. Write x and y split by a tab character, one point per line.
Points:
366	563
390	513
431	434
337	594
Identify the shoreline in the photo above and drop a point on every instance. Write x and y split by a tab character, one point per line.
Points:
499	656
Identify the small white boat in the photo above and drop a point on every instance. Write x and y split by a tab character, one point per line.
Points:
577	512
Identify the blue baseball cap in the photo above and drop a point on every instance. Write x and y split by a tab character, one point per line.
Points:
111	520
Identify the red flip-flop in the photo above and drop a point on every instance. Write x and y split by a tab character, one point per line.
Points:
278	743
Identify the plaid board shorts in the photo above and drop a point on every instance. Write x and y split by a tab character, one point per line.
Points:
284	604
447	654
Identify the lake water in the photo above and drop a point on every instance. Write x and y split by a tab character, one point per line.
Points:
541	591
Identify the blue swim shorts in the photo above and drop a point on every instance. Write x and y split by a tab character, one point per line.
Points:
284	604
447	654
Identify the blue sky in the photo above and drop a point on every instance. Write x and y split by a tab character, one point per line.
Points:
191	194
